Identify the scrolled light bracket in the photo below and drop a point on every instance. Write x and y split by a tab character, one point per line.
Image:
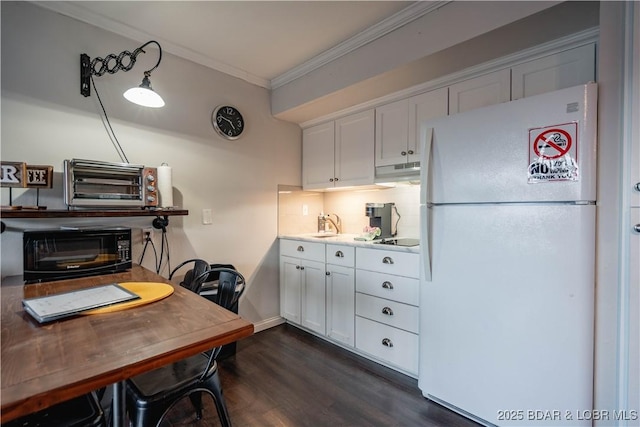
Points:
111	64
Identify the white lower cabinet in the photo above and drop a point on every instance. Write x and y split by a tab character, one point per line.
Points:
360	298
341	294
394	346
387	312
302	284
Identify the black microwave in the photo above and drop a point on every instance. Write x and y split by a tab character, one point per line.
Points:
75	252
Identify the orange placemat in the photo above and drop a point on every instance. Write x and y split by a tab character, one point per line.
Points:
147	291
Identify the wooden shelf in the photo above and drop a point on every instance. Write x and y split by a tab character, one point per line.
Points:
88	213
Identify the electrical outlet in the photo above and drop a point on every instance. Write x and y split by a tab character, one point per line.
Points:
147	233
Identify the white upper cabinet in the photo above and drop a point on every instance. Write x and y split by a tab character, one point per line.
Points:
561	70
354	149
426	106
339	153
392	133
318	145
398	126
488	89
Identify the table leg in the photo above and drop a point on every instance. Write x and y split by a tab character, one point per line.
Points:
118	410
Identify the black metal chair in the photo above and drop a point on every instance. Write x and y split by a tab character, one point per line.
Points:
83	411
151	395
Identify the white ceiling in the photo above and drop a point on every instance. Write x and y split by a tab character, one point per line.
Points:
263	42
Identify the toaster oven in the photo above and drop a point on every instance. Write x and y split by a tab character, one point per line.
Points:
92	183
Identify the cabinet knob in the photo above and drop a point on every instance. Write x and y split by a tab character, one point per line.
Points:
387	311
387	285
330	179
410	151
297	267
335	179
637	186
387	260
387	342
300	249
636	228
404	153
339	254
327	273
301	267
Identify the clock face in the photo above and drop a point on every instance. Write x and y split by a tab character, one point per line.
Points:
228	122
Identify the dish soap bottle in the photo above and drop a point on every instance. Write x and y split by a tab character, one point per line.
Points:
322	223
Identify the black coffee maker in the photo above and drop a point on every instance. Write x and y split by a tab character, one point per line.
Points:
381	216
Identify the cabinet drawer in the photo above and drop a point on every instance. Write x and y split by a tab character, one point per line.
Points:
341	255
395	288
392	262
301	249
391	313
395	346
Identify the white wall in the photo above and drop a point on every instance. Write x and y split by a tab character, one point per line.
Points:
45	120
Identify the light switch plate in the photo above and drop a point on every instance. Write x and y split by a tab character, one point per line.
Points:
207	216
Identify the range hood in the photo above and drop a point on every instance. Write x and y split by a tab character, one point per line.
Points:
400	172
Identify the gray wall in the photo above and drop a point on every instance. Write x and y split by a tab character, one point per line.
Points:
45	120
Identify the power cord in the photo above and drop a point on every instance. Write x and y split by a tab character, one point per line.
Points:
110	132
148	239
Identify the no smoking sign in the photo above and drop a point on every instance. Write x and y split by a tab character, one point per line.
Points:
553	153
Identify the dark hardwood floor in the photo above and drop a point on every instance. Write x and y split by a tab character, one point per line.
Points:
286	377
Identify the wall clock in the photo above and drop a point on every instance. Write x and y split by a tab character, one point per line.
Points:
228	122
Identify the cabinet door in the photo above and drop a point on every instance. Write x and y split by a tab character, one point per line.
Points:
318	156
290	289
341	304
354	152
313	295
489	89
392	131
561	70
423	107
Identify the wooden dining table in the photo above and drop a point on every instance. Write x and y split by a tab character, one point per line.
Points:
45	364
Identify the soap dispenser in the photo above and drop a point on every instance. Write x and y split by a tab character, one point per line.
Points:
322	223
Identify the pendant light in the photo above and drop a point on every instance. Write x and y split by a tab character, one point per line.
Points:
142	95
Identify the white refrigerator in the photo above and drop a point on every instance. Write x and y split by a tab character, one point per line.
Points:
508	254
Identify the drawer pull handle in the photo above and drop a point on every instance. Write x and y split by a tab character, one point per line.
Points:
387	260
387	342
339	254
387	311
300	249
387	285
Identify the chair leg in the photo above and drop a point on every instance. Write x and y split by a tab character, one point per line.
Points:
213	384
196	400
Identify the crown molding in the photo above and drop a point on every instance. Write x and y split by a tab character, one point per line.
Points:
73	10
405	16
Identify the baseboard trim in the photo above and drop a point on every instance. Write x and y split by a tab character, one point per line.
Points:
268	323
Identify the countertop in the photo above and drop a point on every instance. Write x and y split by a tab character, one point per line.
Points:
348	240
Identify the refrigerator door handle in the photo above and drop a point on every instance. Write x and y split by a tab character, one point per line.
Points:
425	220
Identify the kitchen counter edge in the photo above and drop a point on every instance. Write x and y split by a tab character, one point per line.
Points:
348	240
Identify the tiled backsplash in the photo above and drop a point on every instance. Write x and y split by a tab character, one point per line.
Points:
349	205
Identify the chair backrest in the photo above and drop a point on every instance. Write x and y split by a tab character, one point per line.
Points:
189	281
231	285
